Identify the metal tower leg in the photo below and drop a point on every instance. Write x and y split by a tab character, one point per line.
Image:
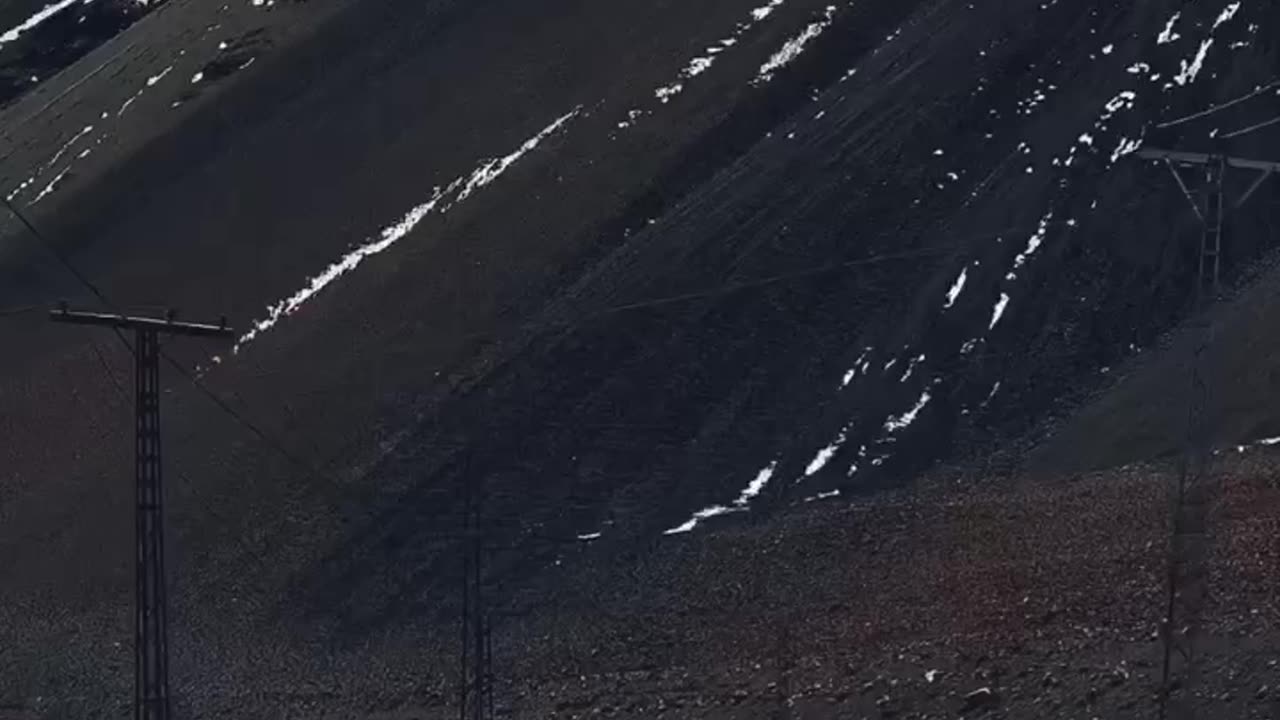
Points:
151	652
1211	240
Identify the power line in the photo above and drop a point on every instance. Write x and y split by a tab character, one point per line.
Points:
80	277
1252	128
1216	108
53	249
733	287
234	414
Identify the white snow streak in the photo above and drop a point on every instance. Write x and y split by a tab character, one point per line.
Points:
956	288
1192	69
793	47
1127	146
824	456
664	94
911	367
754	488
701	64
63	150
1033	243
894	424
1227	13
1168	35
53	184
998	312
859	364
483	175
45	13
763	12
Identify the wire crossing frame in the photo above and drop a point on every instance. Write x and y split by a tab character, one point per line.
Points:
152	699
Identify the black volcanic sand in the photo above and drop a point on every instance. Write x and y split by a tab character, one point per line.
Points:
624	328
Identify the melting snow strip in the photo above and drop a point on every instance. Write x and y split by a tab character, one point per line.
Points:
53	184
754	488
794	47
894	424
1168	35
702	63
483	175
859	365
1033	244
998	311
30	23
956	288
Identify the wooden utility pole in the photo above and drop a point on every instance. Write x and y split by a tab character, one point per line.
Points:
1188	576
151	650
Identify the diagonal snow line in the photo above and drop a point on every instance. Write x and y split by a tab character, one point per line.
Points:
30	23
741	504
441	201
1219	107
793	47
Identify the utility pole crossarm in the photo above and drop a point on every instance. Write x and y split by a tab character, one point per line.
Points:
1205	159
167	326
152	700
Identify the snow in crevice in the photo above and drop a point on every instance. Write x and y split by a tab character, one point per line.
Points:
740	504
998	311
824	456
859	365
911	367
45	13
65	147
823	496
53	184
1168	34
1127	146
702	63
1227	14
1190	70
765	11
441	201
794	47
994	389
896	423
1034	242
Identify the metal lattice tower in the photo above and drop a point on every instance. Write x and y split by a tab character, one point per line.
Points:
151	633
1188	579
152	700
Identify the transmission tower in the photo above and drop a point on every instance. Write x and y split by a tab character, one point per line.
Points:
152	700
1188	578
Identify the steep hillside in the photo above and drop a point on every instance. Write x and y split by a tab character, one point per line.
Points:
647	279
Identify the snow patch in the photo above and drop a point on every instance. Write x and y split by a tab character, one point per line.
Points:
482	176
1168	35
998	311
753	489
894	424
793	47
30	23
